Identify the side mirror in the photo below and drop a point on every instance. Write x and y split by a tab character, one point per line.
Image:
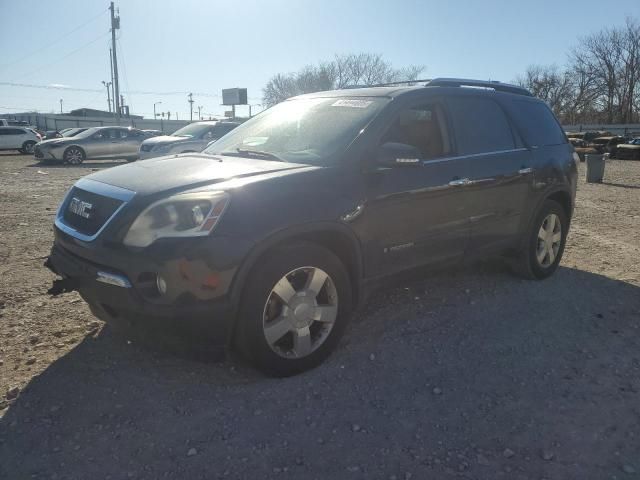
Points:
393	154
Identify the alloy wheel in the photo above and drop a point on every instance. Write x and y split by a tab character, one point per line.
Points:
549	240
74	156
300	312
29	146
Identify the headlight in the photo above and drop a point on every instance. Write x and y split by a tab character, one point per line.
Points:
183	215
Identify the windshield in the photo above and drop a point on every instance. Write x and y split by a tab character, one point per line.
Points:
305	130
192	130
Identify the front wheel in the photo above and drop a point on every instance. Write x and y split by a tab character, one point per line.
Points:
295	308
73	156
545	242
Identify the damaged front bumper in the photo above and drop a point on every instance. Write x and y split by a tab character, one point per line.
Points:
113	297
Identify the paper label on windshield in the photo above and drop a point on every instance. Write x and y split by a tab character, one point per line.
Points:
352	103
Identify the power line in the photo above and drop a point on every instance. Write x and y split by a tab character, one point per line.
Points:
124	73
49	44
130	92
63	58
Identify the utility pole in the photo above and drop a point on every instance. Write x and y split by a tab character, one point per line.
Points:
199	110
115	25
155	115
168	115
108	85
113	90
191	104
60	106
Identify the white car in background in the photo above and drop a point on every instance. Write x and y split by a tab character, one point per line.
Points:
18	138
191	138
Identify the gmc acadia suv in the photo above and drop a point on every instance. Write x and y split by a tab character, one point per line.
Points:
270	238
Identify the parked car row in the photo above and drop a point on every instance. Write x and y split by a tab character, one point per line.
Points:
616	146
74	145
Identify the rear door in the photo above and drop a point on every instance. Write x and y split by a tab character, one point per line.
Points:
130	140
499	174
15	137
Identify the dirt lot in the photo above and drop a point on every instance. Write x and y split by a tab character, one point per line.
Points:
468	374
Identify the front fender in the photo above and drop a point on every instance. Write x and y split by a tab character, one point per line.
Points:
306	232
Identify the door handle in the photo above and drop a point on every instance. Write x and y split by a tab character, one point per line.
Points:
459	182
524	171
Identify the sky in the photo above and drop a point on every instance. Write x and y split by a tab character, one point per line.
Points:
182	46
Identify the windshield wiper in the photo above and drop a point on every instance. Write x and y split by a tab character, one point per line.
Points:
258	153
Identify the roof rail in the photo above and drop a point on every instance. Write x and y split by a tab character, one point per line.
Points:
390	84
464	82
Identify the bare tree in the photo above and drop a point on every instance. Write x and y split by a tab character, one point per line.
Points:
601	81
548	83
361	69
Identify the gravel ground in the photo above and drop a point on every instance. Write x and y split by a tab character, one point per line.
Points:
470	373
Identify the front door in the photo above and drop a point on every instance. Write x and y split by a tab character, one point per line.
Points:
416	214
100	145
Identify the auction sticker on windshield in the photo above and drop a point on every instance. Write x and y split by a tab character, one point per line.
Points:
352	103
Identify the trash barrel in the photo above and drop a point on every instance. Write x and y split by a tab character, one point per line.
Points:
595	168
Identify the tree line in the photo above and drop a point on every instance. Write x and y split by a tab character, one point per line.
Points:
343	71
600	82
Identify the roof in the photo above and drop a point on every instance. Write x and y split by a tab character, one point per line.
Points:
452	85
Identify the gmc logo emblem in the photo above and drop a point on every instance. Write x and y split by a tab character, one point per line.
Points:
81	208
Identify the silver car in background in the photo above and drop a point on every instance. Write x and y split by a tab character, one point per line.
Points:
96	142
191	138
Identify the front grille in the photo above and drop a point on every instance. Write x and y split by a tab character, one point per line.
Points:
146	148
87	212
38	152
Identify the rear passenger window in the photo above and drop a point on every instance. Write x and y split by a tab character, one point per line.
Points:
539	125
480	125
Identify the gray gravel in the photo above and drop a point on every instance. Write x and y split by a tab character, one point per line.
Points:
469	373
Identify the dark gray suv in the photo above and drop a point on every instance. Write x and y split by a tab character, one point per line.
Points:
269	239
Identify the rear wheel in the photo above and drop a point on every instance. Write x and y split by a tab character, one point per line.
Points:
544	243
28	146
295	308
74	156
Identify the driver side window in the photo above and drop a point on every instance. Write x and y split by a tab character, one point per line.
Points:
422	127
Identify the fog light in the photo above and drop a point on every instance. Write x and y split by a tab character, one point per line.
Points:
161	284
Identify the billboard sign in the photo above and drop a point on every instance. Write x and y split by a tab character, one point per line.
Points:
234	96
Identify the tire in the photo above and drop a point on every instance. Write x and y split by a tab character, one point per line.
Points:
74	156
27	147
131	159
298	341
553	219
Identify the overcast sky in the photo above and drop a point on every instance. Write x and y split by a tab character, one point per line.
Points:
204	46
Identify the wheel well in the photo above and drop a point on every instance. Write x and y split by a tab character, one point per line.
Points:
75	146
564	199
339	244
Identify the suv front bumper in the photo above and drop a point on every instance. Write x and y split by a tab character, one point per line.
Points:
112	297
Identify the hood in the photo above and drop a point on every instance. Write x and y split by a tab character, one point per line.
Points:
165	139
186	171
